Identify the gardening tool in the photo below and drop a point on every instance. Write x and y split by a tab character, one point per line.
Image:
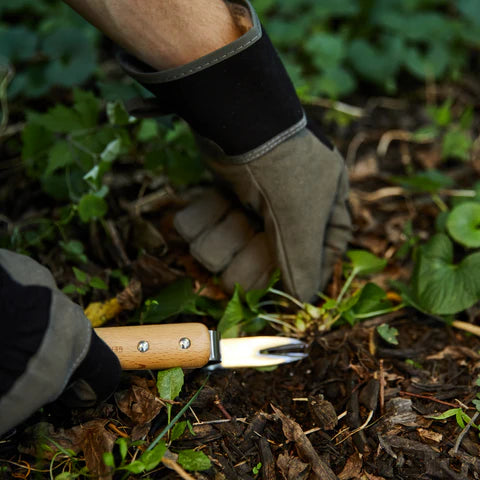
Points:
192	345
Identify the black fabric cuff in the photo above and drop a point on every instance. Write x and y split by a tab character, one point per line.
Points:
240	98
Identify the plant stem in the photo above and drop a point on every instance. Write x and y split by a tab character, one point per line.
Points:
347	283
177	416
287	296
442	206
269	318
363	316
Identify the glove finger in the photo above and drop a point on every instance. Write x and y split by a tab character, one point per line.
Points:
201	214
216	247
252	267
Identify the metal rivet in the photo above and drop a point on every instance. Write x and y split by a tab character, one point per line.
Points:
143	346
184	343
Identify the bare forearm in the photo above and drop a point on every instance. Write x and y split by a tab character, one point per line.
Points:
162	33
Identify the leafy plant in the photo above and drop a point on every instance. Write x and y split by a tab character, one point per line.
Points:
86	282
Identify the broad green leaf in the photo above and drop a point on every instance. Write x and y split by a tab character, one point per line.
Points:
372	298
17	43
72	57
74	250
193	461
438	285
91	207
463	224
430	181
388	333
457	144
108	459
176	298
365	263
334	82
327	49
80	275
117	114
59	156
98	283
177	431
136	466
431	64
151	458
233	316
170	383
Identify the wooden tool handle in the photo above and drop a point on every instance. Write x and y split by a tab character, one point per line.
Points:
159	346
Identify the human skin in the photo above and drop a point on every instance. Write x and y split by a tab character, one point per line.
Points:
162	33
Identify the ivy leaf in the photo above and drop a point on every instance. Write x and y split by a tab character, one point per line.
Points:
117	114
91	207
170	383
59	156
388	333
61	119
193	461
87	106
463	224
365	263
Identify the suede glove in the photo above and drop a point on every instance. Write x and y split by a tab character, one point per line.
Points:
47	345
244	110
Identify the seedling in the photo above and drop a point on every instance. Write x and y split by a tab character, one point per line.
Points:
86	283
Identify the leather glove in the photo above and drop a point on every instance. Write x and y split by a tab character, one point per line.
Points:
47	345
241	104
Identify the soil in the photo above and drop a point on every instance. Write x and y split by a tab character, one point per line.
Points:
355	408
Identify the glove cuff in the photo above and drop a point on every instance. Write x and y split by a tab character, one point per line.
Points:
239	97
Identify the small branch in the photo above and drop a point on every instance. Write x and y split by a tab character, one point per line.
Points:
464	432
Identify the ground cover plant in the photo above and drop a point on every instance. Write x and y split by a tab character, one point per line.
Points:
390	388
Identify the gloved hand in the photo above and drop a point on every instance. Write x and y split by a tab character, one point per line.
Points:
246	114
47	345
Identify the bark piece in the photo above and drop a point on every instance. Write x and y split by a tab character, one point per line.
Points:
294	433
292	468
323	412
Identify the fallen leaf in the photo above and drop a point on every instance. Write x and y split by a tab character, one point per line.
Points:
430	435
100	312
138	404
455	352
352	468
292	468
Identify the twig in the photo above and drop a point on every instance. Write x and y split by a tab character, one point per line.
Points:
467	327
428	397
222	420
464	432
360	428
218	403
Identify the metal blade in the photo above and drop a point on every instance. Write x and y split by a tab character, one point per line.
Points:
260	351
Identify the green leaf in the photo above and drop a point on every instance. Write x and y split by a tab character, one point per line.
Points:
438	285
372	298
430	181
61	119
447	414
87	106
74	250
117	114
147	130
98	283
170	383
193	461
176	298
388	333
122	447
457	144
463	224
365	263
234	314
59	156
327	49
177	431
36	140
136	466
17	43
80	275
111	151
72	57
91	207
108	459
253	297
151	458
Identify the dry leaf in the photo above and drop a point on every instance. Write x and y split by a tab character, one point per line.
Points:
292	468
352	468
100	312
430	435
139	404
455	352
